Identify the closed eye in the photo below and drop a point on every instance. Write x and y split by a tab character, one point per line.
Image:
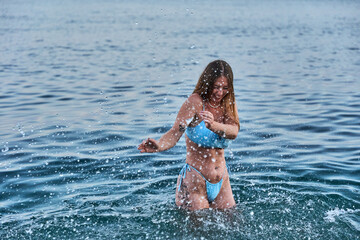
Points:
219	87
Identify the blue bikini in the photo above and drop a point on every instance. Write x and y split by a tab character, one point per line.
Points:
206	138
212	189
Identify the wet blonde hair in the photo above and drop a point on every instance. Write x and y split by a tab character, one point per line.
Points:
205	86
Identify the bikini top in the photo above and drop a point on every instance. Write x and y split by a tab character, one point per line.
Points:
206	138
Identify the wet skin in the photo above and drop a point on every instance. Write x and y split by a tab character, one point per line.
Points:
209	161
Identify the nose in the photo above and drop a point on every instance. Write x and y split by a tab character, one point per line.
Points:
220	91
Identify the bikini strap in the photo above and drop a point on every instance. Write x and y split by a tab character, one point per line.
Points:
198	172
188	168
203	175
185	168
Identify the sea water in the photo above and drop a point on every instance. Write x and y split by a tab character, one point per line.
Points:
82	83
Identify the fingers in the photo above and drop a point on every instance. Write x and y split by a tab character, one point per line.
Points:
207	117
142	145
149	142
152	142
206	114
149	145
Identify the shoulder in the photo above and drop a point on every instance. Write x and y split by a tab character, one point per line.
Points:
195	100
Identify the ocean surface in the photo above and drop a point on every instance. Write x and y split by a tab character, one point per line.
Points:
82	83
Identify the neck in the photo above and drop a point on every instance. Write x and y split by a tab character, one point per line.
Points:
214	104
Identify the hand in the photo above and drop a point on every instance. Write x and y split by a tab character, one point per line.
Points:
208	118
149	145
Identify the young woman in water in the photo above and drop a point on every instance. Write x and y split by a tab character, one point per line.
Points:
209	117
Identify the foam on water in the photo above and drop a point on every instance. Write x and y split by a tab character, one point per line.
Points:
346	215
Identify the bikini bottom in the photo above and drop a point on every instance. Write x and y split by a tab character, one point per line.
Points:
212	189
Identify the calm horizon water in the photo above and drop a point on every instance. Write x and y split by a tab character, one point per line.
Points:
82	83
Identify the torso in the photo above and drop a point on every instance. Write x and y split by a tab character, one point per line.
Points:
209	161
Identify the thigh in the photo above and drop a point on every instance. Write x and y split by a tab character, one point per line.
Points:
192	194
225	199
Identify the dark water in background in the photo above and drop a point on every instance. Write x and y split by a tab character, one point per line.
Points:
83	82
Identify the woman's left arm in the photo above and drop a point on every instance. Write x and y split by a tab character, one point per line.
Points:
229	129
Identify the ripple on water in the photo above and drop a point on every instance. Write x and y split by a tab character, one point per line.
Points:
73	110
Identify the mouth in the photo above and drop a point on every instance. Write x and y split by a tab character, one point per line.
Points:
219	96
217	99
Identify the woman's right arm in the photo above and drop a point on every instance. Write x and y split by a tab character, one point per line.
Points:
187	111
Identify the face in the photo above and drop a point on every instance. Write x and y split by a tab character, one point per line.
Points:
221	88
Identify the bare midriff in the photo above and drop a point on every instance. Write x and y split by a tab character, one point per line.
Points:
209	161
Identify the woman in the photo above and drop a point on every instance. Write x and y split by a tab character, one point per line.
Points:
210	120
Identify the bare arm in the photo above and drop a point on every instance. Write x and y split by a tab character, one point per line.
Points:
229	129
171	137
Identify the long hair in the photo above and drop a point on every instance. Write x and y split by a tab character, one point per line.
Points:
205	86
